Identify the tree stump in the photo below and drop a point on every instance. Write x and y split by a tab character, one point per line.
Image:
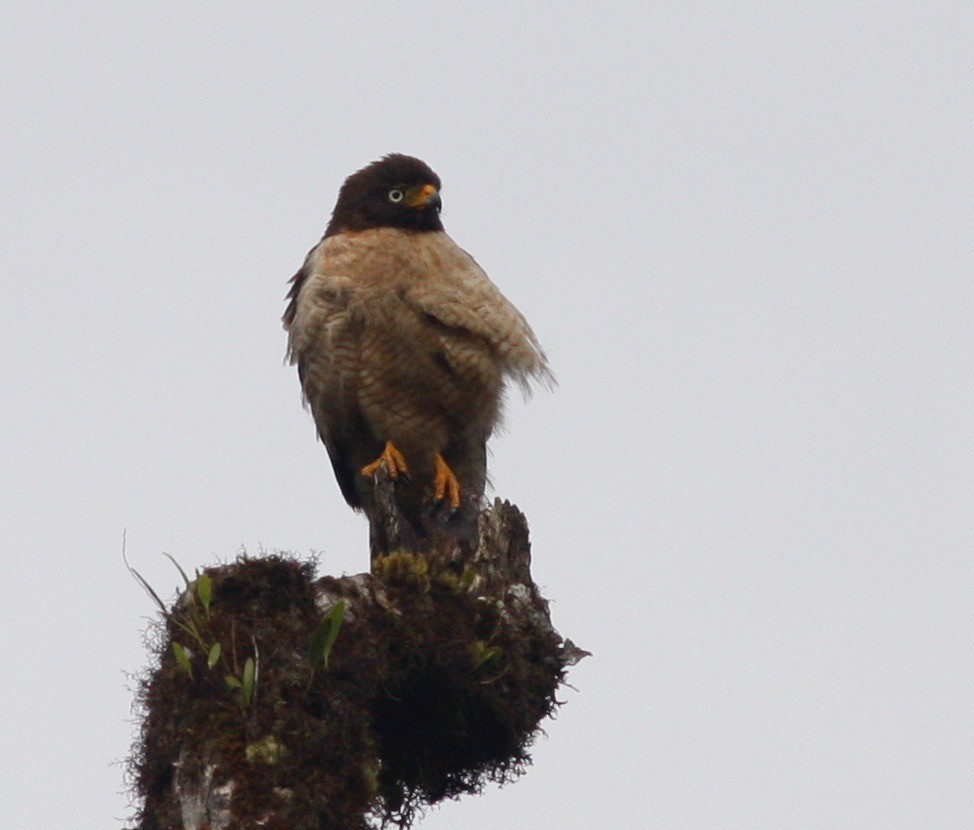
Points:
281	700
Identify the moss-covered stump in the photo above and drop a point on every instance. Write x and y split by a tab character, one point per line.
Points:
282	701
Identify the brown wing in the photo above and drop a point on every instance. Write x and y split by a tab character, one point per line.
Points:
324	341
477	338
463	300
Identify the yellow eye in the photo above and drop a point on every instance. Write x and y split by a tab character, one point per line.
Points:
395	195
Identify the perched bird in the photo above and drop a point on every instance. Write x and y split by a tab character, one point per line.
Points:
403	345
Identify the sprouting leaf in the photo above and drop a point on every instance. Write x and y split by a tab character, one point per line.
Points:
190	628
179	568
232	682
325	635
213	656
317	644
253	640
336	615
145	584
182	658
204	590
248	682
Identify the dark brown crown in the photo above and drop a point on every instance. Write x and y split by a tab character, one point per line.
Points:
363	201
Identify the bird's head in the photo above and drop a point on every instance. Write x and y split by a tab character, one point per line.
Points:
395	192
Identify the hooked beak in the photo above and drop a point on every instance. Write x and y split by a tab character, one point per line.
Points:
423	197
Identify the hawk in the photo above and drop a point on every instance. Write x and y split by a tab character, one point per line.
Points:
403	346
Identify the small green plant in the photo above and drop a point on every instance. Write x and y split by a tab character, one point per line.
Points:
183	659
323	640
188	626
204	592
245	686
197	627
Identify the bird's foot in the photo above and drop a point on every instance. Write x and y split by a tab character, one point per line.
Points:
391	459
446	485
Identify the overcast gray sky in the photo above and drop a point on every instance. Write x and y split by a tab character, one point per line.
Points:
744	235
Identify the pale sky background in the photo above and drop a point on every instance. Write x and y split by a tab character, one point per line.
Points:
745	235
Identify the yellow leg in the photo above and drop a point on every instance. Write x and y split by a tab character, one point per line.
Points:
446	484
391	459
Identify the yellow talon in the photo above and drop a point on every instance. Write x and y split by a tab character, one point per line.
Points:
446	483
391	459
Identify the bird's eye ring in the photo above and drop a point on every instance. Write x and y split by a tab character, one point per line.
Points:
395	195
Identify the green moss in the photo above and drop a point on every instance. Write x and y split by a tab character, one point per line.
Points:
403	570
427	696
266	750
